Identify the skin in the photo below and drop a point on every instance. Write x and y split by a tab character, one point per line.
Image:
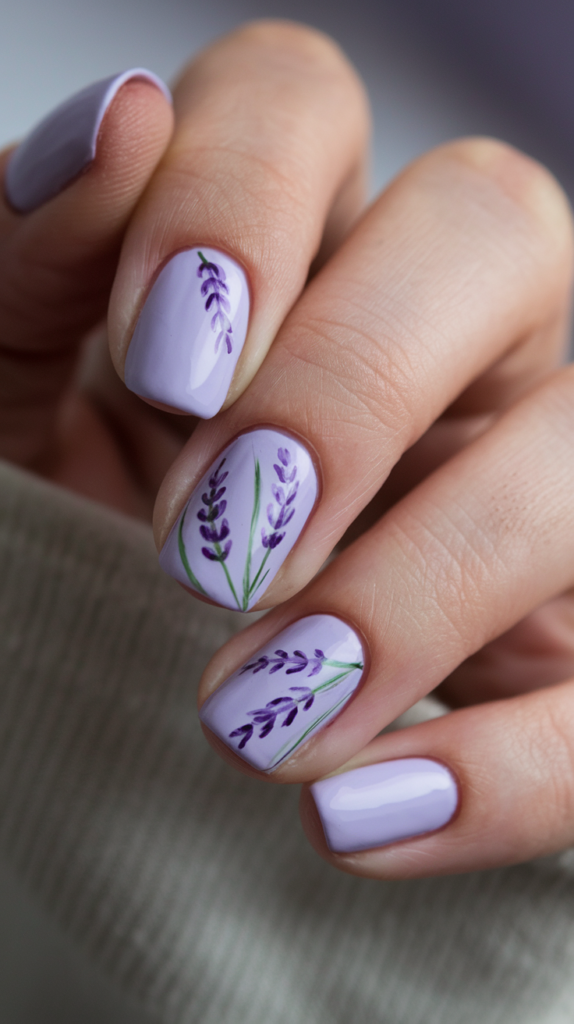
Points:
416	346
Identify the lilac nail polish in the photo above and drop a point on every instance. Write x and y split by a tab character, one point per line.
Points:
288	691
242	519
190	332
64	143
383	803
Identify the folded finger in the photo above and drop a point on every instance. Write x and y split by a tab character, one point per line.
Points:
382	342
465	556
474	789
271	131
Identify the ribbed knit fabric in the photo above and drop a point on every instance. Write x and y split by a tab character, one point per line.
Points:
190	885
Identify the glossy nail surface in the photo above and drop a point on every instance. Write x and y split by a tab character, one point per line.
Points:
190	333
383	803
242	519
65	142
288	690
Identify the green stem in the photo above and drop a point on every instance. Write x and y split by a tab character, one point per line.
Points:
254	518
185	561
280	756
253	586
343	664
202	257
332	682
219	551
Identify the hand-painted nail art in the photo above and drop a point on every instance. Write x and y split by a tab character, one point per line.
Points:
383	803
65	142
288	691
242	519
190	333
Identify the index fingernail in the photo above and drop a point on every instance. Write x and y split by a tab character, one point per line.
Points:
190	332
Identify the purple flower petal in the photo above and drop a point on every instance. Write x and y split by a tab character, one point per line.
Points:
211	268
291	716
292	493
284	456
246	731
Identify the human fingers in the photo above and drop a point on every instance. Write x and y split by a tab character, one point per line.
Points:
267	160
467	256
474	789
477	546
70	189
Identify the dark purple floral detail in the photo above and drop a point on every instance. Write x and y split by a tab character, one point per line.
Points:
284	496
215	292
298	662
210	530
267	717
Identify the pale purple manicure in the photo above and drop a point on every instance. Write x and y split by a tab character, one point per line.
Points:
190	333
289	690
242	519
383	803
65	142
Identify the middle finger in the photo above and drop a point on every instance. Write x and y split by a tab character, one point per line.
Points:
464	259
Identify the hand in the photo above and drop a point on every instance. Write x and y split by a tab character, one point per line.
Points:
407	402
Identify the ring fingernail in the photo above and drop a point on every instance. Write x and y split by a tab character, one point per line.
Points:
289	690
190	333
384	803
65	142
242	519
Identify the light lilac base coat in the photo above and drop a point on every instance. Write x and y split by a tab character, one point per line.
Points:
249	689
240	458
64	143
174	357
384	803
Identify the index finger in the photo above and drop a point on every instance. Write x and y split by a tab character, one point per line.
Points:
271	129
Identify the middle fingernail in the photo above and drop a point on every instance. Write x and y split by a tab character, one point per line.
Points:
243	519
190	333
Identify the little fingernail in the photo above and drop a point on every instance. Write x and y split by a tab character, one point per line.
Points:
287	692
190	333
64	143
242	519
383	803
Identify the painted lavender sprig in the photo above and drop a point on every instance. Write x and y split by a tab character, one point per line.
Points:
277	517
288	707
215	534
215	292
298	661
215	529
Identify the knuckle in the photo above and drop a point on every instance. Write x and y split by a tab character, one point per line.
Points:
531	188
359	378
300	42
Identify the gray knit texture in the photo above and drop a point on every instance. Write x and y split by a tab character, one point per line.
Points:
189	885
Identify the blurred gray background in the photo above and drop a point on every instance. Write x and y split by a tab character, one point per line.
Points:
435	69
